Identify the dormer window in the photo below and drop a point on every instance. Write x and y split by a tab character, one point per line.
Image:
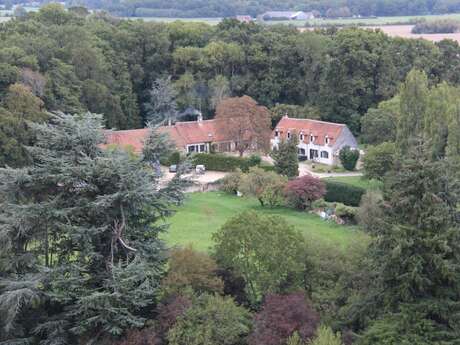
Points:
312	138
301	136
289	135
326	140
277	133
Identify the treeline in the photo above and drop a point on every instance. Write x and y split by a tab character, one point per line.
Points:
59	60
438	26
216	8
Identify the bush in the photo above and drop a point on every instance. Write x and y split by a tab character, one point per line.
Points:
220	162
379	160
267	187
302	191
344	193
169	311
212	320
191	269
231	183
174	158
349	158
254	160
325	336
347	213
281	316
146	336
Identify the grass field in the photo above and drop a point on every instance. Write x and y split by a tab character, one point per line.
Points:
357	181
204	213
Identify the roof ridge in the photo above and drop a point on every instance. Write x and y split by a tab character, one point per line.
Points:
313	120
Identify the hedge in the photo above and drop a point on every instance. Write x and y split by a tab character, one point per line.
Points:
344	193
220	162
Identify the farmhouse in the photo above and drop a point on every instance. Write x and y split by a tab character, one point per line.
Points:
287	15
189	137
319	141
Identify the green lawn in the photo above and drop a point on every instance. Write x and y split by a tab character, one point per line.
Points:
357	181
204	213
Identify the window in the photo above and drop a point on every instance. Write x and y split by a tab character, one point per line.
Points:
289	135
324	154
277	133
301	152
326	139
312	138
301	137
202	148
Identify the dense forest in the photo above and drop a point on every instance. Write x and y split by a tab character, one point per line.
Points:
83	260
71	62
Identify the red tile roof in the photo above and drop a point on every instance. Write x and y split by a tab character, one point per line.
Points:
182	133
319	129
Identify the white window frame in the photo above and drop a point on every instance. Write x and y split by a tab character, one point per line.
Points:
326	140
289	135
301	136
277	133
197	148
322	154
312	138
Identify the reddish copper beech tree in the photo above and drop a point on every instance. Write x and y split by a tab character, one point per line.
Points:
246	122
302	191
281	316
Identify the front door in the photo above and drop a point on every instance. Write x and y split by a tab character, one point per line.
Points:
313	154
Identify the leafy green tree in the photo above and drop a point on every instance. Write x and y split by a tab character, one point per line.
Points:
286	158
265	250
379	160
379	124
80	255
162	106
191	269
212	320
349	158
266	186
413	106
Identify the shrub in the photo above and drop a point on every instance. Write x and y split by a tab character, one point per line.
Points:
254	160
212	320
320	203
348	158
231	183
265	250
325	336
220	162
344	193
174	158
347	213
281	316
302	191
170	310
146	336
266	186
189	268
379	160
